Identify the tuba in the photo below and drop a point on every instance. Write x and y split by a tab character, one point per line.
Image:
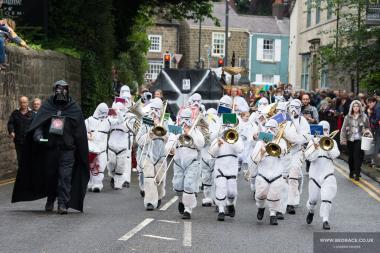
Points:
273	148
159	130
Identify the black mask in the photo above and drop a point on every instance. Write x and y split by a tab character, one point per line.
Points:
61	94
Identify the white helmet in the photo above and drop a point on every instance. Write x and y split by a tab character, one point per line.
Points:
326	127
101	111
195	100
225	101
125	92
271	126
211	111
185	117
119	107
263	102
281	107
156	106
295	108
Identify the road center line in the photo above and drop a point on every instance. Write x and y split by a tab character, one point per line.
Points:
161	237
371	193
168	221
136	229
7	181
187	234
167	205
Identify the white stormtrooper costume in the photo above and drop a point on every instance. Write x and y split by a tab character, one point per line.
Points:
152	158
248	132
297	132
98	128
322	184
225	173
125	92
269	180
120	148
207	162
262	105
186	165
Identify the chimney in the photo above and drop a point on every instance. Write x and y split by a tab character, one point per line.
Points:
278	9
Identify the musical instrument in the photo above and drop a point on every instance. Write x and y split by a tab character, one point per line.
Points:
326	143
159	130
273	148
272	110
138	111
230	135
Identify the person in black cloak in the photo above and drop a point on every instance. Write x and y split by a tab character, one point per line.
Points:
55	164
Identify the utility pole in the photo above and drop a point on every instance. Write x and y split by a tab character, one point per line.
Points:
199	45
226	36
358	48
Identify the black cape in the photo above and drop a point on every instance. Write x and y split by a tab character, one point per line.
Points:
32	177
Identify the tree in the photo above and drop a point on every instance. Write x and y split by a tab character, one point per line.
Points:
355	45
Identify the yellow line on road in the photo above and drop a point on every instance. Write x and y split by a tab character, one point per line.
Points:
369	191
7	181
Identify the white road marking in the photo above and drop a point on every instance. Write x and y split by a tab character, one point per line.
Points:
161	237
168	221
136	229
187	234
167	205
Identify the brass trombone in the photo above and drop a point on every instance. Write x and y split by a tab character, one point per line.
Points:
273	148
159	130
184	140
327	142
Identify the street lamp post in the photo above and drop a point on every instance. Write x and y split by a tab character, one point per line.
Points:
226	35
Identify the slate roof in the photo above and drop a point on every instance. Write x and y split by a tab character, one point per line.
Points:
251	23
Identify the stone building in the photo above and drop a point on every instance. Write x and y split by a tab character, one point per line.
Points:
163	37
309	22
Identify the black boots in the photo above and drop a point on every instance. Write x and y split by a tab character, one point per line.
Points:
260	213
186	216
290	209
126	184
326	225
273	220
309	218
142	194
221	216
149	207
181	208
231	210
49	207
62	209
159	203
279	216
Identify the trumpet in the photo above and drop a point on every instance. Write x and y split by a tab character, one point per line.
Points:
273	148
159	130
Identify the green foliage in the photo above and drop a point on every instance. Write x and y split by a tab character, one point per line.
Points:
355	45
371	82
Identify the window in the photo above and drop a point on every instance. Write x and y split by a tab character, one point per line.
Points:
308	6
218	44
155	43
305	72
268	79
329	9
318	12
268	50
325	76
154	69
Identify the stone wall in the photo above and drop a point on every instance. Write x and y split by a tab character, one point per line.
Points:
169	40
30	73
189	45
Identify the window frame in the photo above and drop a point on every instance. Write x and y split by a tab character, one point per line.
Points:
222	47
269	51
265	76
149	75
318	12
308	11
150	36
330	10
305	71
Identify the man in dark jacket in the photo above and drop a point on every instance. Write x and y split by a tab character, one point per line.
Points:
18	124
55	164
374	120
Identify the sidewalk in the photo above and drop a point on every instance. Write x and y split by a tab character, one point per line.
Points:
373	173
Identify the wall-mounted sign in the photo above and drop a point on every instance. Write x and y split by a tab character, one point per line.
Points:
186	84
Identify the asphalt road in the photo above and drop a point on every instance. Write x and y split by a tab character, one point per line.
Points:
116	221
